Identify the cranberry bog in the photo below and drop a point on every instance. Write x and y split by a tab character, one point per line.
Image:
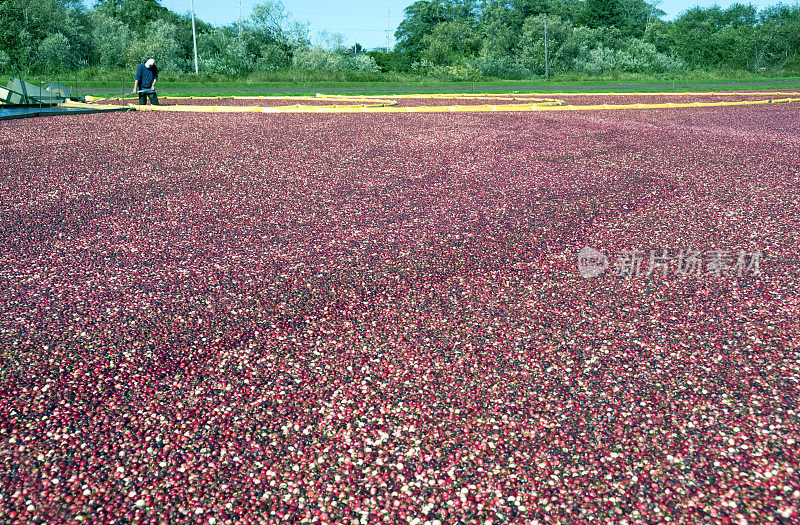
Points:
348	318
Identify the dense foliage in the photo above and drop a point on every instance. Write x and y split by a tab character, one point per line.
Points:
448	39
59	35
506	38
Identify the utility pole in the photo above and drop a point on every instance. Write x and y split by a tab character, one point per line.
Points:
240	17
388	31
546	63
194	39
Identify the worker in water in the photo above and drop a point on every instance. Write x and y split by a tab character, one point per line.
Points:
144	82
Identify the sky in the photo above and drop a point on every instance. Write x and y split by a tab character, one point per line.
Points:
365	21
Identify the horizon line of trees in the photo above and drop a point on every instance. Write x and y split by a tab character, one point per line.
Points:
448	39
506	38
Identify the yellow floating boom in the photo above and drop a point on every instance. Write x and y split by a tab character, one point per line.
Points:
521	102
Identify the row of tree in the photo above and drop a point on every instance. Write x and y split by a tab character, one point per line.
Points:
57	35
446	38
506	38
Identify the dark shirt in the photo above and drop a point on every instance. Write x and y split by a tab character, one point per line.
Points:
146	76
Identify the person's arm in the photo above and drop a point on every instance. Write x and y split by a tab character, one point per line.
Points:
153	87
155	77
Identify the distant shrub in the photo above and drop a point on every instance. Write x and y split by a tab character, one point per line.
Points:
422	67
667	64
596	61
160	41
316	58
455	73
363	63
223	53
5	61
391	61
792	65
645	58
273	58
500	67
635	57
55	52
110	39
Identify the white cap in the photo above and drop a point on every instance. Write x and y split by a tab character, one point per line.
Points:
149	63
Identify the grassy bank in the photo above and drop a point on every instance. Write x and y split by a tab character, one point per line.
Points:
293	82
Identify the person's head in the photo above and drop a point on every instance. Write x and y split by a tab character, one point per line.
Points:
150	63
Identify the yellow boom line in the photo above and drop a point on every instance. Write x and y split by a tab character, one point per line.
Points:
532	102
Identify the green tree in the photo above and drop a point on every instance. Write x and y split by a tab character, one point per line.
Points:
224	51
159	41
779	31
55	53
716	37
449	42
693	32
531	44
661	35
274	35
629	16
273	23
390	61
569	10
421	19
527	8
270	18
135	14
739	15
603	13
499	30
738	47
27	23
356	49
111	39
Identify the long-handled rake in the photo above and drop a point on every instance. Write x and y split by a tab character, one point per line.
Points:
122	97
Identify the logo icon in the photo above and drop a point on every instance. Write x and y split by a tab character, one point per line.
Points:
591	262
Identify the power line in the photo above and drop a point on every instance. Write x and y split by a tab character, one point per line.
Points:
339	13
363	31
